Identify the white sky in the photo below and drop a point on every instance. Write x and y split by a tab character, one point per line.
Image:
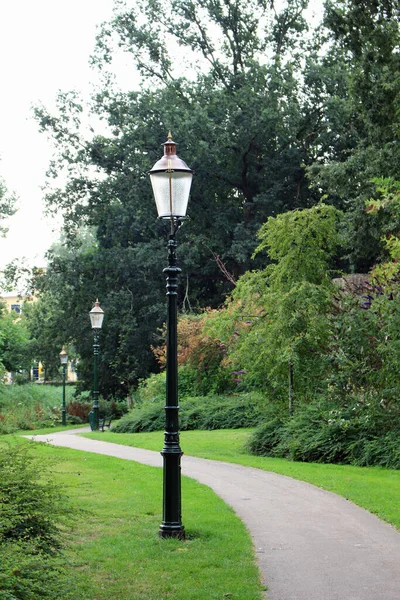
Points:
44	47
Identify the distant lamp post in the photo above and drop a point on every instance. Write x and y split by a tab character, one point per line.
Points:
96	319
171	179
64	362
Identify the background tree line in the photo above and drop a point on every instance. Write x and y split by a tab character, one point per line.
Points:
272	116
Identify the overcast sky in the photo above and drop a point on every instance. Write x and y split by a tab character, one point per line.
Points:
44	46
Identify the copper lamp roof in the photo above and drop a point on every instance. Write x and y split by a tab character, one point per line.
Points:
170	161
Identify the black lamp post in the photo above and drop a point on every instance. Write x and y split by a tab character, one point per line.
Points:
96	319
171	179
64	362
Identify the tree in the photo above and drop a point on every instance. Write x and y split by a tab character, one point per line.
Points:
387	207
15	352
242	122
44	322
278	318
366	39
7	205
269	107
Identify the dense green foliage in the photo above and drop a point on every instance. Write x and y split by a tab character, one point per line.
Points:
293	133
31	406
358	434
15	346
365	40
340	345
34	512
274	115
204	412
276	327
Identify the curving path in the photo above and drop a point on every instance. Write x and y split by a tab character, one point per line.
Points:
310	544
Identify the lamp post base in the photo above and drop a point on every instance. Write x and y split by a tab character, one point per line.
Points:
172	531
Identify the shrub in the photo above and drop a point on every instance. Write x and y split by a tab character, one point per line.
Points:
201	357
29	575
32	508
360	434
383	451
152	388
113	409
265	439
205	412
149	417
34	512
21	378
77	409
221	412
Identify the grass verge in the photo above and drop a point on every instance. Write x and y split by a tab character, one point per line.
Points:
373	488
116	549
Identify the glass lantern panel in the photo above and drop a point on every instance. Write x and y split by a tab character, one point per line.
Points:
171	204
96	319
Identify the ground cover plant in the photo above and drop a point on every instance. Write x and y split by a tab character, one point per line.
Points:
116	550
373	488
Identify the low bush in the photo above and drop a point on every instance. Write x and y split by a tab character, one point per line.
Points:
222	412
113	409
34	515
78	412
265	439
149	417
29	575
205	412
360	434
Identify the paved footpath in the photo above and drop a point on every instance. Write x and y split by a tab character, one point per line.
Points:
310	544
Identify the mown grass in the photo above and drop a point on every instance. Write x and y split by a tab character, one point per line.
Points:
373	488
117	552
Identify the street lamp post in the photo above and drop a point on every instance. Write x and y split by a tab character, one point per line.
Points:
64	362
96	320
171	179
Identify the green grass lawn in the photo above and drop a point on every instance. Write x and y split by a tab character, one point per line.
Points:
116	551
373	488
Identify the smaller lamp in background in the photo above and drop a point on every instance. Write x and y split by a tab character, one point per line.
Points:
96	320
64	363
